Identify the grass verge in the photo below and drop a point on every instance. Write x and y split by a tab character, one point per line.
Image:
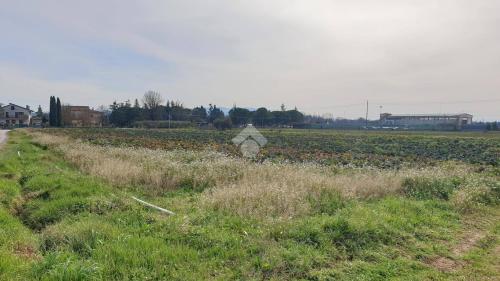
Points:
59	223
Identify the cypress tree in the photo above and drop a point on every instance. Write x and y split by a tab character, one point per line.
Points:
55	112
59	113
52	112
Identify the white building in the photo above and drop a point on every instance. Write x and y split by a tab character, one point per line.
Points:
418	120
13	115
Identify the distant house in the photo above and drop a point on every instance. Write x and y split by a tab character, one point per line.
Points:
81	116
456	121
36	122
13	115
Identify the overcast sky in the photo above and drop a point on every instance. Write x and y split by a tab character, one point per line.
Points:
325	57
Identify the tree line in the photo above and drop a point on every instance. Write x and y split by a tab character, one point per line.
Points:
154	108
492	126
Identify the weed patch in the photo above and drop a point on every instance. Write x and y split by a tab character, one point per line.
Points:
430	188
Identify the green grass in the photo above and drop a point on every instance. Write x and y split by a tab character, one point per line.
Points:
57	223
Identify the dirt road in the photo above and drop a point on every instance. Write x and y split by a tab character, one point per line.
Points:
3	136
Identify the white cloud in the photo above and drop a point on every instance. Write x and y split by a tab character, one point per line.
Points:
21	88
305	53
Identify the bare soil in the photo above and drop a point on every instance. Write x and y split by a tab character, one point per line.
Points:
469	241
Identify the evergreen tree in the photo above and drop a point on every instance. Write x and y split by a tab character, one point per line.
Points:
136	104
52	112
261	117
59	113
223	123
124	115
280	117
137	112
214	113
199	114
239	116
295	116
39	112
45	119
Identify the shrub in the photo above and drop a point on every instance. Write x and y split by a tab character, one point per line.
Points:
470	198
430	188
223	123
327	201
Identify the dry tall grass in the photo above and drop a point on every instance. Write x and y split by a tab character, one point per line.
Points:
235	185
157	170
288	190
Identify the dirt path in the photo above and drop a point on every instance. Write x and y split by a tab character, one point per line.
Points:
466	244
3	136
475	230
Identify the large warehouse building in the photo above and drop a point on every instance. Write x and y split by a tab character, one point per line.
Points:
456	121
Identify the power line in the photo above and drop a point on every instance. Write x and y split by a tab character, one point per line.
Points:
406	103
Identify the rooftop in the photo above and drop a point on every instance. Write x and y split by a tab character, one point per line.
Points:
11	104
429	115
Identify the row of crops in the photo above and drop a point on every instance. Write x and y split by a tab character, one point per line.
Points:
381	149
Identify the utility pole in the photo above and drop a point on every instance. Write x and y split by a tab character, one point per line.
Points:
366	119
380	116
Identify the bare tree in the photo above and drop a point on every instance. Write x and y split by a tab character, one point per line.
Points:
102	108
152	99
152	103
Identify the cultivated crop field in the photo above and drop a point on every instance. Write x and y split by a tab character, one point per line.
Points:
361	148
314	205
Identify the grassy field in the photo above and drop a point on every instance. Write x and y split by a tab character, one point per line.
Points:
315	206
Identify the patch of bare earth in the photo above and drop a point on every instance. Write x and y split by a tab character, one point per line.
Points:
446	264
3	137
26	251
466	244
469	241
496	255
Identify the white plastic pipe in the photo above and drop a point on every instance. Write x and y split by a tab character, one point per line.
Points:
153	206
